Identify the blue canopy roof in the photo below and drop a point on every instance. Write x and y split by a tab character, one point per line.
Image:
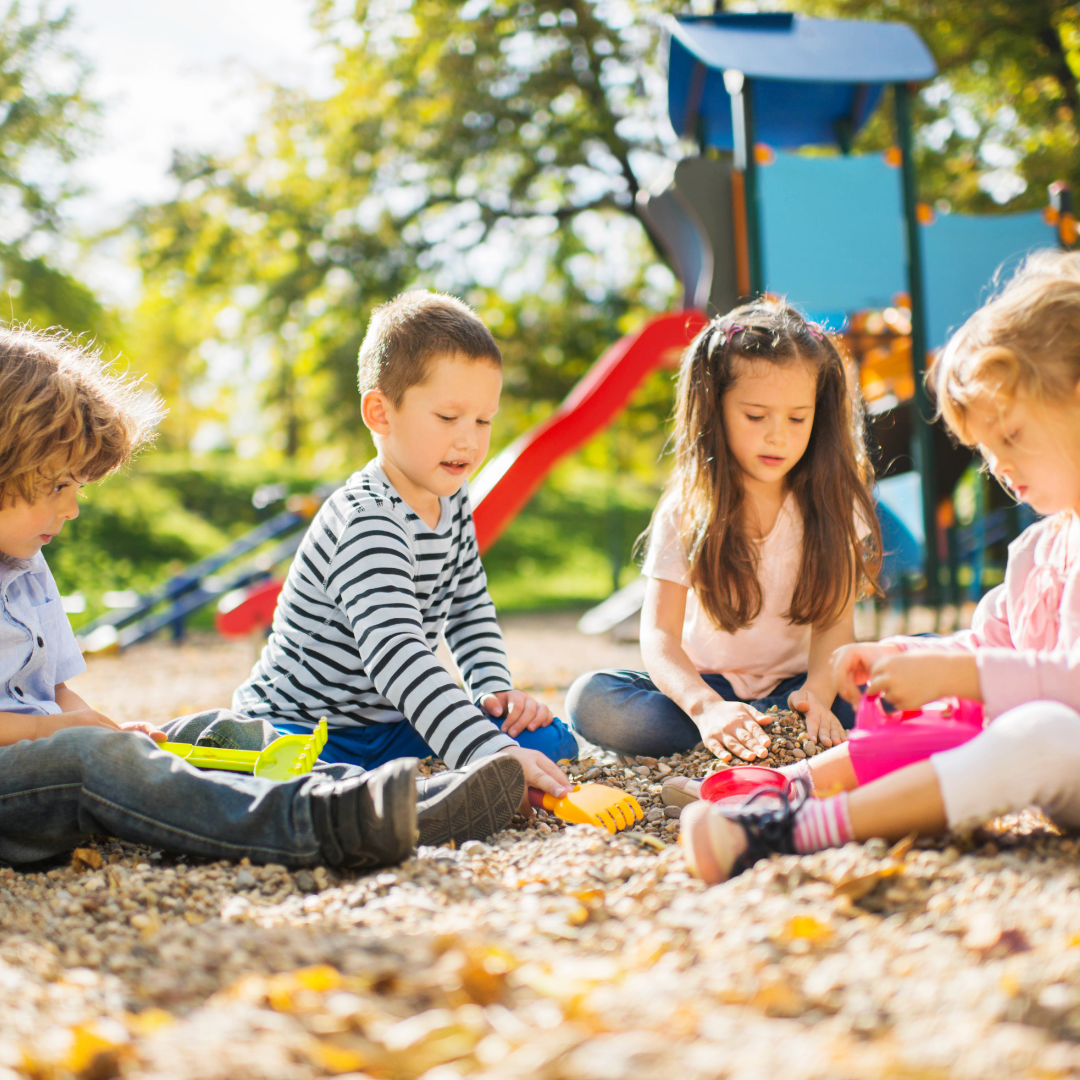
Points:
810	77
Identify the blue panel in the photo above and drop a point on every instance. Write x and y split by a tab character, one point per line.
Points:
786	114
832	231
962	254
807	50
807	74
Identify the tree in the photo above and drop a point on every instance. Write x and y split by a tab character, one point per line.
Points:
489	151
1001	122
44	118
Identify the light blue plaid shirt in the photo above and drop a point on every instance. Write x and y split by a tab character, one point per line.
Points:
37	645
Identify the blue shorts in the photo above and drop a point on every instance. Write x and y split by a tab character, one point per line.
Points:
378	743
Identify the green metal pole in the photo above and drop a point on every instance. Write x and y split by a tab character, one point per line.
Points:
922	433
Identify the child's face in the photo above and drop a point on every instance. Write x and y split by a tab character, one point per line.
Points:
1032	447
768	417
27	527
441	432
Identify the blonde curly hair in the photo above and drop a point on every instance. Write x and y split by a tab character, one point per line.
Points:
1025	339
63	412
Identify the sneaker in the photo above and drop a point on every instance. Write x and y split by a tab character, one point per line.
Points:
721	842
471	803
680	791
367	821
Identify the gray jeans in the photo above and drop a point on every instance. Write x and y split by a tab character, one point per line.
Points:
83	781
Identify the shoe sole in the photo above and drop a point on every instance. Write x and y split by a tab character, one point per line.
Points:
481	802
670	795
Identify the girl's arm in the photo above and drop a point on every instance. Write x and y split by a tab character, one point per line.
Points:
724	725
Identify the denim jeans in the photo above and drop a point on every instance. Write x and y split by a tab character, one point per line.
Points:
83	781
624	711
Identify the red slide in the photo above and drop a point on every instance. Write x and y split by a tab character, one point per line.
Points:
510	480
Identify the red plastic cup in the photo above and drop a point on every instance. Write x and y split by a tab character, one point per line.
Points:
732	786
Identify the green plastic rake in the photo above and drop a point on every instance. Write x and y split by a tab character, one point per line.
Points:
284	759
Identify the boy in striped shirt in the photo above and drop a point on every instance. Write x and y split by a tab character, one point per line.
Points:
390	563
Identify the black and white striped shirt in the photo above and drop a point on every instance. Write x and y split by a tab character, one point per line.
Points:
358	621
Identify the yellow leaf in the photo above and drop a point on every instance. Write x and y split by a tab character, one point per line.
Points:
86	858
148	1021
335	1059
806	926
87	1047
579	916
320	977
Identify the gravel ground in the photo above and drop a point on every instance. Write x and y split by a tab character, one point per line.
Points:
553	952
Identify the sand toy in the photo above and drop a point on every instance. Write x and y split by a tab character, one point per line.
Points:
285	758
591	804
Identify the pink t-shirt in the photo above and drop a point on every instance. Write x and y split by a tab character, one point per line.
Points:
754	660
1025	634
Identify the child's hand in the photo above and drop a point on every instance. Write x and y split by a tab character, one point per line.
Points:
821	725
152	730
520	710
540	772
44	726
851	666
913	678
736	727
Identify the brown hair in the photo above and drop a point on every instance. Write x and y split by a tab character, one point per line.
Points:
1025	338
407	333
829	483
63	412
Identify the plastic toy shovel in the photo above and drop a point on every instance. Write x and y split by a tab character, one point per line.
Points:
591	804
285	758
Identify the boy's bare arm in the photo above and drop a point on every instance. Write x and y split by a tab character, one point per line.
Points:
15	727
68	700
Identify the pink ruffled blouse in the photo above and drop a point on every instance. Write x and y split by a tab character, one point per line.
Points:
1025	633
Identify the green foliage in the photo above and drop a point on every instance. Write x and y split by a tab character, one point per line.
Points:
44	121
1007	101
488	152
559	551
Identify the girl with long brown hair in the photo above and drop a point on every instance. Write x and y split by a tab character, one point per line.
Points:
756	553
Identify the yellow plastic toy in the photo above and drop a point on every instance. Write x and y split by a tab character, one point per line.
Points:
284	759
591	804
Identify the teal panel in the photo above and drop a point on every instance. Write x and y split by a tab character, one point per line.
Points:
832	231
964	255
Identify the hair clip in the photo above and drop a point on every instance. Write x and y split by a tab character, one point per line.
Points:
730	331
815	331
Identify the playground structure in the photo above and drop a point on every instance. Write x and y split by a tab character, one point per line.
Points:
842	236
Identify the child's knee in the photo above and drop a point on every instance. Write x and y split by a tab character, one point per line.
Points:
587	700
222	729
1047	731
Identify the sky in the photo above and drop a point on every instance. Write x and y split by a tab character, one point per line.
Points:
177	73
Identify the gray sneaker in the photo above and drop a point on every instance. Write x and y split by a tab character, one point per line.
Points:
470	803
370	820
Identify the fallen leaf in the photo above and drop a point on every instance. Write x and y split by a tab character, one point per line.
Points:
900	849
86	858
807	927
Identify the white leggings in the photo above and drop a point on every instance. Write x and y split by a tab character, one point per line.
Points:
1028	756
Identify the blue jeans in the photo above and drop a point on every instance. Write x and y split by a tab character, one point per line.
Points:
625	712
371	746
83	781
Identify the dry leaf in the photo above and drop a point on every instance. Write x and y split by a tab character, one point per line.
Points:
86	858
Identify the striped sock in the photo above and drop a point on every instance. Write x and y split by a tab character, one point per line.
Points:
822	823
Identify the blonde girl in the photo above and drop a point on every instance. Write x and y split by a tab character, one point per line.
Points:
1009	384
756	552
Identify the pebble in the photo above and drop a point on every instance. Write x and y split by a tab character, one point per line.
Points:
557	951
